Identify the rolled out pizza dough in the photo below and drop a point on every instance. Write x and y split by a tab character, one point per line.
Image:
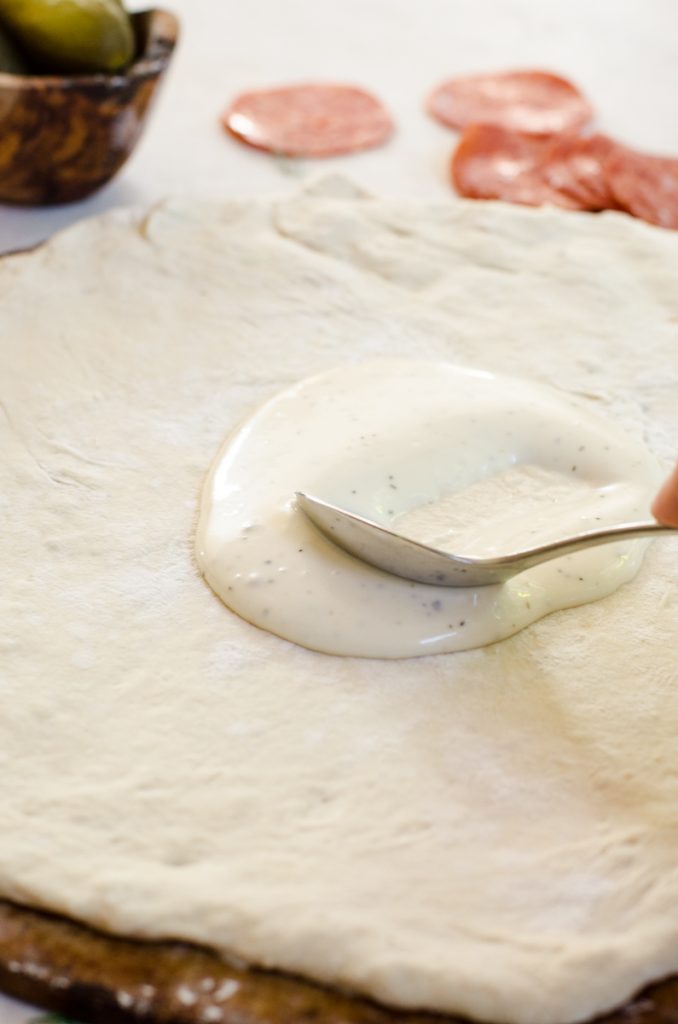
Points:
493	833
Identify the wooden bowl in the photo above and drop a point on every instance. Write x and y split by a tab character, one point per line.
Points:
64	136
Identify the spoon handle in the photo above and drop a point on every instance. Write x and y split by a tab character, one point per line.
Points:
593	538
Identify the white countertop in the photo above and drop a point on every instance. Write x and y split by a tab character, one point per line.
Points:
623	53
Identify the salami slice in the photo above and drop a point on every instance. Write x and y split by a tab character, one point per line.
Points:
644	185
575	166
312	120
491	162
528	101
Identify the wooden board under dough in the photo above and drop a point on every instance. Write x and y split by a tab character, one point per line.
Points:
101	979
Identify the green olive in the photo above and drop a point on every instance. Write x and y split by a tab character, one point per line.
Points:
71	35
10	58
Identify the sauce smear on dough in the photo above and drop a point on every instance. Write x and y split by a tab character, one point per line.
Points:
462	459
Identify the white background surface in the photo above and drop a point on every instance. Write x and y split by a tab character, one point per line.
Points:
623	53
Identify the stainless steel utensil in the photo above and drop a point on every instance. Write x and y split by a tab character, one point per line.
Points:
412	560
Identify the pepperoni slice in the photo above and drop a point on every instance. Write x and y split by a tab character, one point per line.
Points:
491	162
313	120
528	101
644	185
575	166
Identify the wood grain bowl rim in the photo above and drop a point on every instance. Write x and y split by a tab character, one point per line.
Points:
162	38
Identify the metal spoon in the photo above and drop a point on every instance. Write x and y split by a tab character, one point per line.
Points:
400	556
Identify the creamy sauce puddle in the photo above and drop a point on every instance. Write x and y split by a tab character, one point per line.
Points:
466	460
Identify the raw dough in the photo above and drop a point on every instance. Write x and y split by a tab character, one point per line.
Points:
493	832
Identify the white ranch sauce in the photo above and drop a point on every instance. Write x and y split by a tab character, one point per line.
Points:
467	460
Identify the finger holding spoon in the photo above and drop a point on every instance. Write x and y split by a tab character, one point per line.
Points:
665	505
